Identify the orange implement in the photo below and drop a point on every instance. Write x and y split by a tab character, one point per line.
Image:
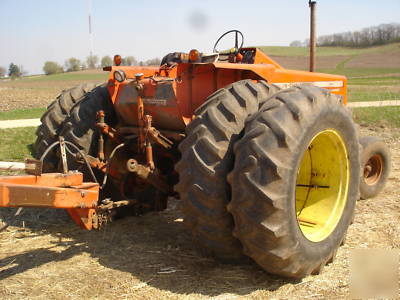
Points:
48	190
53	190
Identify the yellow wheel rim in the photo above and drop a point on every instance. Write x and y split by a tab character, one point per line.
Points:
322	185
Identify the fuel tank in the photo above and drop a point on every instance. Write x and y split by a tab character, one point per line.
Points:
159	101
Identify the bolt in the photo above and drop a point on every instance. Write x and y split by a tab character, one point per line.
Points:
131	165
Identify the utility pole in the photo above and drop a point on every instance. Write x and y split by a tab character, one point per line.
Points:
90	27
313	42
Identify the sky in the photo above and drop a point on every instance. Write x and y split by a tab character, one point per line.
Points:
35	31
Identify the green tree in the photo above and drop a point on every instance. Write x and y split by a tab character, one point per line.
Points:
51	67
106	61
2	71
92	61
14	71
72	64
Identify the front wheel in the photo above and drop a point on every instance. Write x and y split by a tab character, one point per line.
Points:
375	166
295	181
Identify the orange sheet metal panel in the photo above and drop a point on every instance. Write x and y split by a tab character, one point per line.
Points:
48	190
82	216
284	78
46	179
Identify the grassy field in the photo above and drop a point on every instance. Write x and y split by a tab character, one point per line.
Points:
361	73
378	116
17	114
16	143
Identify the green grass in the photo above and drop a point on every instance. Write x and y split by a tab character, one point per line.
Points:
359	72
68	76
341	65
31	113
326	51
383	80
16	143
356	95
388	115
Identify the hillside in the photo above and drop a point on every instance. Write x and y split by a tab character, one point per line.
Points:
341	60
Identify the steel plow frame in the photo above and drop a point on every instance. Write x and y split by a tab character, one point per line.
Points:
53	190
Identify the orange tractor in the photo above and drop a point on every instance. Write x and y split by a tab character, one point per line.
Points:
265	160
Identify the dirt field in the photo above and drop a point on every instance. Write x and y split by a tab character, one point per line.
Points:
302	62
387	56
40	91
44	255
376	60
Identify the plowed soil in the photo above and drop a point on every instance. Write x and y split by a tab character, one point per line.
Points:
302	62
40	91
376	60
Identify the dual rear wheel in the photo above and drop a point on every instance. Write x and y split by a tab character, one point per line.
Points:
292	172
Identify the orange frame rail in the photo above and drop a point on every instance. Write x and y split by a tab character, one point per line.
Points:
55	190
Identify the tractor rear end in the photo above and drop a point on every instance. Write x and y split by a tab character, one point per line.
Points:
265	160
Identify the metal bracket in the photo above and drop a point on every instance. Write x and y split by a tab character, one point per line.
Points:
149	175
63	154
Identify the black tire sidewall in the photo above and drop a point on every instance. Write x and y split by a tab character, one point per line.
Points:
328	118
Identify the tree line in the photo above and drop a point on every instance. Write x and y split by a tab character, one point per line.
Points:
371	36
93	62
74	64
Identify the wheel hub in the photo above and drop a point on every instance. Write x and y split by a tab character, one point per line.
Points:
373	169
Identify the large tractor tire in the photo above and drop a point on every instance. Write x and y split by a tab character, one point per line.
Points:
80	127
295	181
53	119
375	166
207	158
73	116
